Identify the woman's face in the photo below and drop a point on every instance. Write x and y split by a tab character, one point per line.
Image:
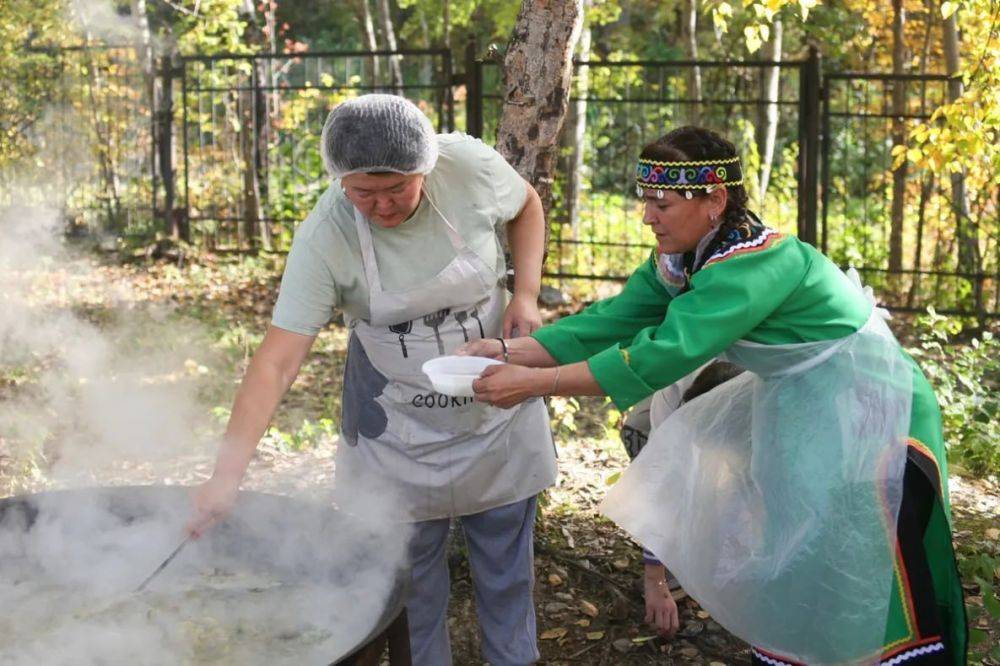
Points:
387	199
679	223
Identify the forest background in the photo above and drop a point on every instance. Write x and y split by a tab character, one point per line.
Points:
179	138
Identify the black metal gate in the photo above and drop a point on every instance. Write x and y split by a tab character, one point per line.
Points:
617	107
248	131
860	185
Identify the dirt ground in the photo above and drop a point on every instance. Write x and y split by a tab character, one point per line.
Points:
588	594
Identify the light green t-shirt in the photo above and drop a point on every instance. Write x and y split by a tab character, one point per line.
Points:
471	184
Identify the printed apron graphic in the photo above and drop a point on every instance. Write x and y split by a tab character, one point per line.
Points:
360	413
475	315
402	330
461	317
434	320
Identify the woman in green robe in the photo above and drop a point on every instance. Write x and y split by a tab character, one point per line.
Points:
810	497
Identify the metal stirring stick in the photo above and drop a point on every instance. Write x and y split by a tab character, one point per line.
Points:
163	565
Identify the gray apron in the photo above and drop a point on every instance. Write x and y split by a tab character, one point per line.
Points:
439	455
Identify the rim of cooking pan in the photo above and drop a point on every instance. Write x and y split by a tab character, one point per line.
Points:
391	607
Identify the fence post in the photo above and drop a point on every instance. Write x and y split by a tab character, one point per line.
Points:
449	91
825	147
184	215
810	91
165	144
473	92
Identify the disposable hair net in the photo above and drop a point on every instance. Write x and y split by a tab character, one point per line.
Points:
773	497
374	133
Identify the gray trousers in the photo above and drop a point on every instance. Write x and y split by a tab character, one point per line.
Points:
501	557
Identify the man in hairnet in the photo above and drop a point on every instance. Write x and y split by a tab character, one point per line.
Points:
404	242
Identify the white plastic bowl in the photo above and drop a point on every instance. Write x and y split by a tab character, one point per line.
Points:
453	375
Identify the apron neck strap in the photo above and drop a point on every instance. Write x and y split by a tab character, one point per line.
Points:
368	247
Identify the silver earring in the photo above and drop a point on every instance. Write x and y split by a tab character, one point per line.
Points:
659	194
638	190
688	195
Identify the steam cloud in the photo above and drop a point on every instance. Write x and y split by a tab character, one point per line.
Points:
103	397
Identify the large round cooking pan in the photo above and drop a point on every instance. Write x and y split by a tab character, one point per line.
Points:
279	581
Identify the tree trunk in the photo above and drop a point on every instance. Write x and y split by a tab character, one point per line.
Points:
537	76
447	23
253	139
368	31
150	82
577	138
104	139
926	189
927	183
268	108
395	61
426	67
689	32
898	138
966	233
769	121
141	17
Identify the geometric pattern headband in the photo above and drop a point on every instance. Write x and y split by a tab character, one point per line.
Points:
703	175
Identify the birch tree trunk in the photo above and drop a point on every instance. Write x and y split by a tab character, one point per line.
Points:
368	30
426	72
395	61
898	137
537	76
150	82
577	137
689	33
769	122
141	17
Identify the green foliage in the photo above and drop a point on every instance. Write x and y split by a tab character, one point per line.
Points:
210	27
979	564
29	79
966	380
628	106
761	14
962	136
308	435
563	414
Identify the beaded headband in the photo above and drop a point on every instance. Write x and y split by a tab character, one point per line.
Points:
703	175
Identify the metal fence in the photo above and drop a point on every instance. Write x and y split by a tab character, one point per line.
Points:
618	107
93	147
248	133
859	121
223	151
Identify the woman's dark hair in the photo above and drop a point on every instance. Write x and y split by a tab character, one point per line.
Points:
714	374
690	143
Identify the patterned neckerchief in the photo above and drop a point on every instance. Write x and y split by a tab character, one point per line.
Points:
675	269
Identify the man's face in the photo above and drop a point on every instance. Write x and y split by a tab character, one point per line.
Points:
387	199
